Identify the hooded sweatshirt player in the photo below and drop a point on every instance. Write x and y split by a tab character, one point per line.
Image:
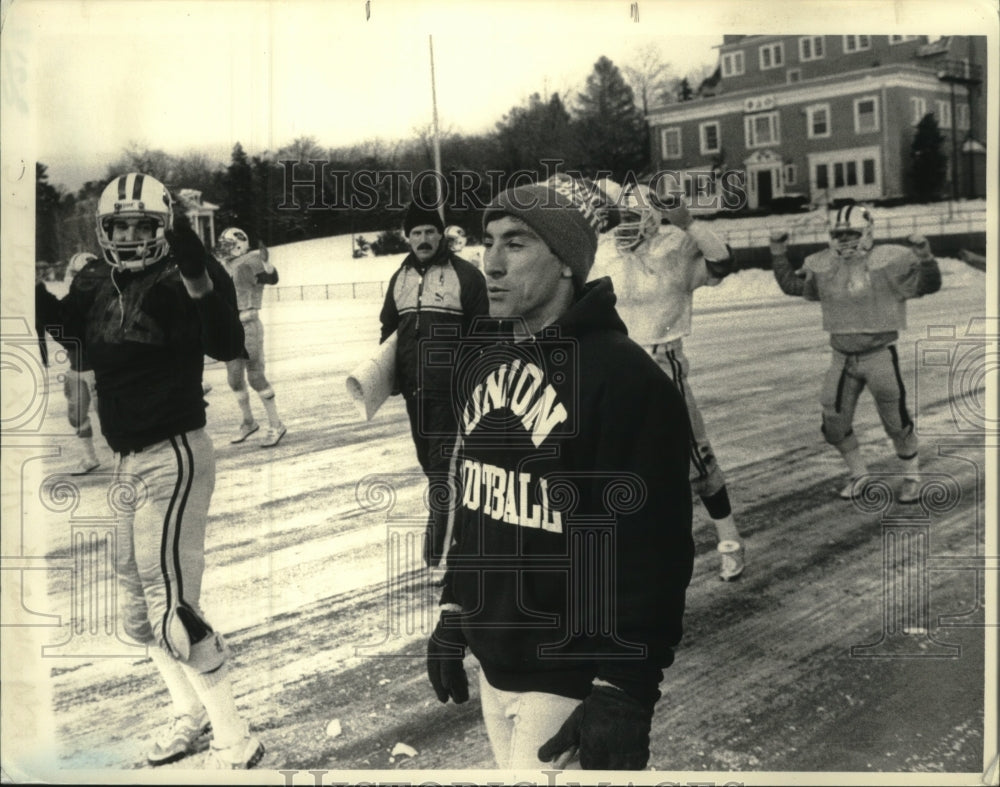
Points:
572	547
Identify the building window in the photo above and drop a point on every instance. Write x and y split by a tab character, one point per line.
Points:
918	108
901	39
865	114
868	171
822	176
670	141
709	134
943	112
853	172
962	117
857	43
810	48
732	64
818	121
790	174
762	130
793	75
772	55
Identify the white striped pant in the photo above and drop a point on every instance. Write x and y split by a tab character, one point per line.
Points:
707	477
161	540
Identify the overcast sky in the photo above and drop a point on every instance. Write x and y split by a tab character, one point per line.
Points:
95	75
178	76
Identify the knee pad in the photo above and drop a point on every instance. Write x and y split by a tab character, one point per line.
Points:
184	630
208	654
717	504
835	429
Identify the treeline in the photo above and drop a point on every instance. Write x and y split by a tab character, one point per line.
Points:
304	190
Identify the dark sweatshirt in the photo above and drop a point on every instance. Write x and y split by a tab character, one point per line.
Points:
146	340
572	547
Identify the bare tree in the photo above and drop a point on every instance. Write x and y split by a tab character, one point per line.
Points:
648	75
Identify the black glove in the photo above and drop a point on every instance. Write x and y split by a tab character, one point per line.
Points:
609	728
187	248
445	651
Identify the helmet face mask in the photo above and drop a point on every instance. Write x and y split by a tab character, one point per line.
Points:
639	220
851	235
133	216
233	242
456	238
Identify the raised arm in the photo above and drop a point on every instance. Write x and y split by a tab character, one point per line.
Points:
211	290
717	257
270	274
790	281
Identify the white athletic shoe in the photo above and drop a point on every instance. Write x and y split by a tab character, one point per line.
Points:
732	555
180	739
245	431
274	434
909	491
85	466
240	757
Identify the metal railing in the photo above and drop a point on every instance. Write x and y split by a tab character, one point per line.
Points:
321	292
801	230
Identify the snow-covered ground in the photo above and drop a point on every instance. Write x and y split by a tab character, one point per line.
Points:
300	574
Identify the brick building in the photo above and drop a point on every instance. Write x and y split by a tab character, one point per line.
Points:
826	117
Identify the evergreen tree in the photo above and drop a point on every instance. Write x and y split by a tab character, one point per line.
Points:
928	162
611	129
239	202
541	131
47	198
684	92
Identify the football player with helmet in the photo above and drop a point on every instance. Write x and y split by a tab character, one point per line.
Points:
656	270
145	329
457	243
250	271
862	289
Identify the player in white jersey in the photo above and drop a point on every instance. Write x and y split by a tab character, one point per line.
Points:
863	289
251	271
655	272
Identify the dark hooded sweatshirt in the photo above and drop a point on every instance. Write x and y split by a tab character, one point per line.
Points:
146	340
572	547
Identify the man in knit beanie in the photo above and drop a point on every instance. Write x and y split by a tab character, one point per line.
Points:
573	502
567	213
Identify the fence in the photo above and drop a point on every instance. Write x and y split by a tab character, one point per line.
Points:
320	292
807	229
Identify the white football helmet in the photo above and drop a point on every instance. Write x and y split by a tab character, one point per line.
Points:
79	261
456	237
639	219
233	242
134	196
852	232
